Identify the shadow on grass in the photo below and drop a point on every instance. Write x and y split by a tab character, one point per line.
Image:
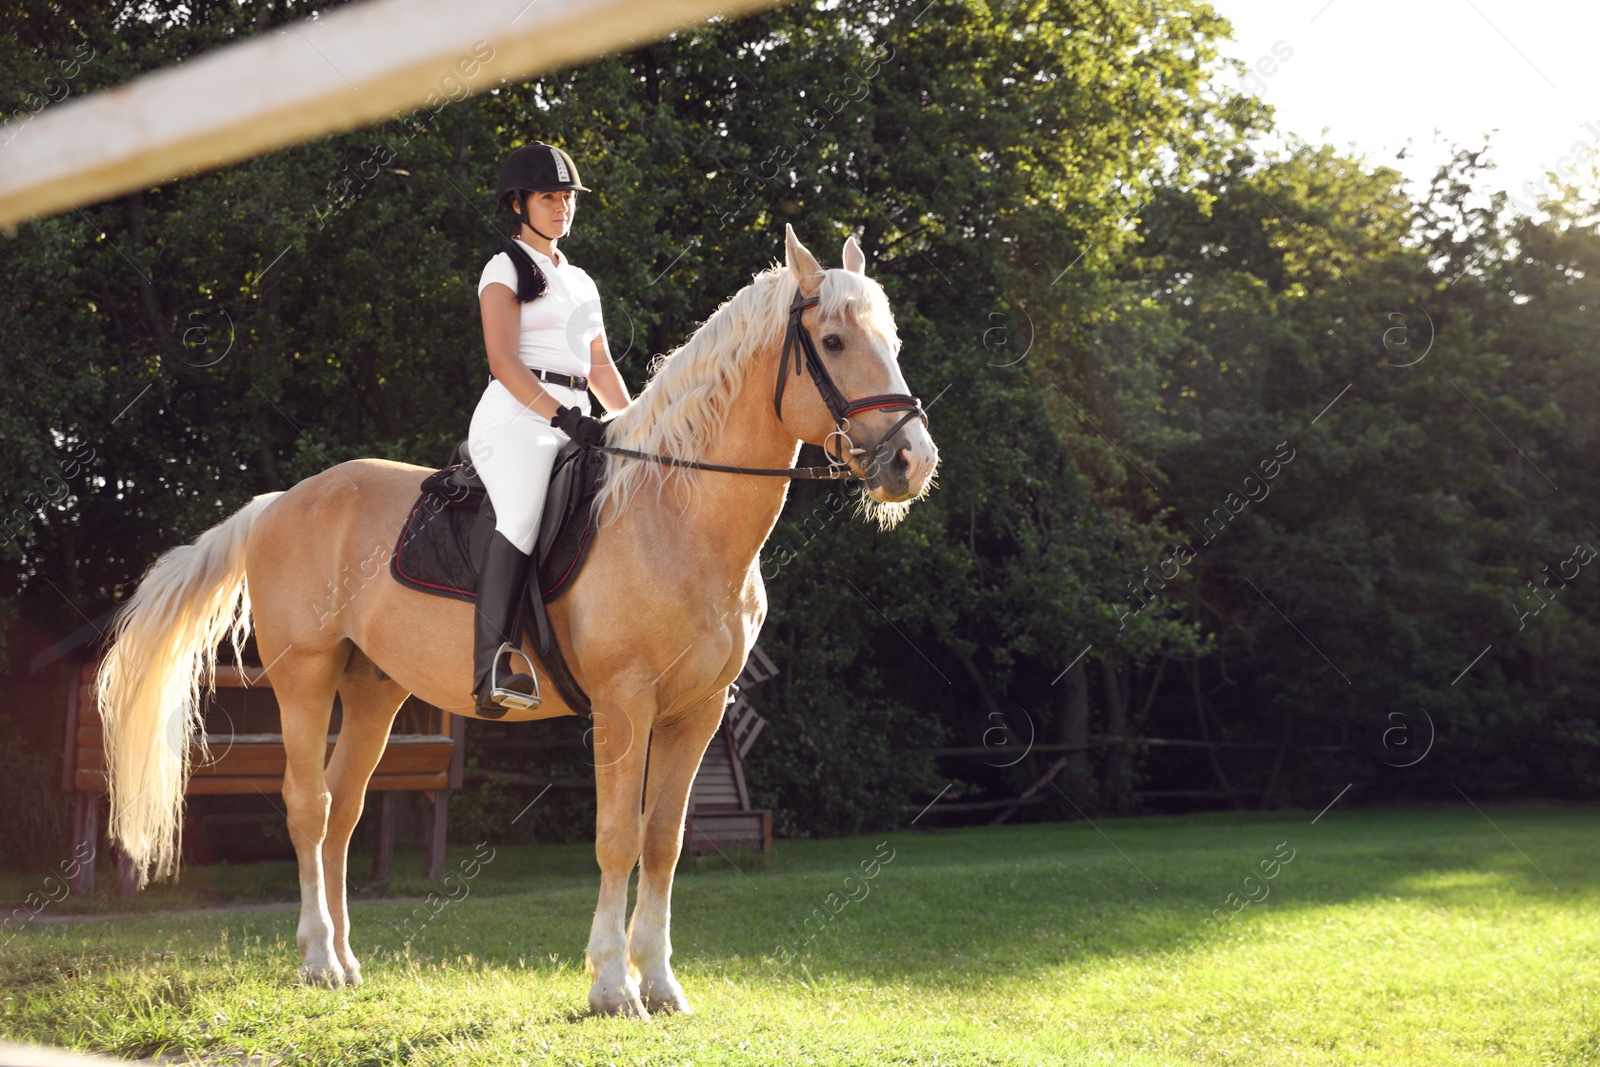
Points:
954	908
951	907
1037	897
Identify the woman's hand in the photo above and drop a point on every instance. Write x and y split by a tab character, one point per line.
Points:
587	432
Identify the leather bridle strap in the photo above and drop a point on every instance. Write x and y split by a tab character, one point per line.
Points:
830	473
798	341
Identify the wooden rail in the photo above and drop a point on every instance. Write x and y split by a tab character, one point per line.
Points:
1034	794
308	78
1104	741
233	763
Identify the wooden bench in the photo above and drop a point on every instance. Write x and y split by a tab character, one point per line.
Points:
244	754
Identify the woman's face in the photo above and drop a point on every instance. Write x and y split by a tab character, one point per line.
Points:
551	213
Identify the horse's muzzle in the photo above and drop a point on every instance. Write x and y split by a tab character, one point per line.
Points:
902	467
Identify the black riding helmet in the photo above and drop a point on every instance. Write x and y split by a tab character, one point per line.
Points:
533	168
537	168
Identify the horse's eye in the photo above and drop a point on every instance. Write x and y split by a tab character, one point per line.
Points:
833	343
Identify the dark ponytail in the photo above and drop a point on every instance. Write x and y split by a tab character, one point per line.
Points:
531	282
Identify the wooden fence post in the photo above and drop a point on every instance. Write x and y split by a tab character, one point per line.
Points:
433	841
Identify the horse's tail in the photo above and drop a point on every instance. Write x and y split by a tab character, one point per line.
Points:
163	643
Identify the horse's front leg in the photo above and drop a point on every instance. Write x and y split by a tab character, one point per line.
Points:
621	742
676	749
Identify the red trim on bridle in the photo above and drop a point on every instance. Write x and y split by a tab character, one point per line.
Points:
798	341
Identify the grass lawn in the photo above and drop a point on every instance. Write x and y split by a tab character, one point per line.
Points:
1389	938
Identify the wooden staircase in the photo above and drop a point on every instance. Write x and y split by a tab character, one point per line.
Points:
720	817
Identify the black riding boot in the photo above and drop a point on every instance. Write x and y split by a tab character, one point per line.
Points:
496	684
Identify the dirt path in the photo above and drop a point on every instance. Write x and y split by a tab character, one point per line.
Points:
187	913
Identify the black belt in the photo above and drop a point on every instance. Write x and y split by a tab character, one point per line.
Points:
571	381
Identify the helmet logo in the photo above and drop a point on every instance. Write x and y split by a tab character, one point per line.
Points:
562	175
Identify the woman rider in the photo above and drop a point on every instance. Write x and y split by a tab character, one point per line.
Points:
547	345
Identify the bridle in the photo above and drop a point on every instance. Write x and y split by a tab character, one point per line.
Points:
797	339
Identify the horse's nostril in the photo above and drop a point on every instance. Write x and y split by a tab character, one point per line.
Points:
891	466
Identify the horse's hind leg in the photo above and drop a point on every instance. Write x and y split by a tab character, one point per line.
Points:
369	705
676	749
304	682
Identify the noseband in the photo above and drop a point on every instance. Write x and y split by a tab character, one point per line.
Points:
798	341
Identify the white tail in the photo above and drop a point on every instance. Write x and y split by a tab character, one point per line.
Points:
164	646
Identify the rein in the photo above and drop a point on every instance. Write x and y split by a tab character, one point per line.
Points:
796	339
832	472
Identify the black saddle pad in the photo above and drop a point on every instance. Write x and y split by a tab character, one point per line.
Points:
444	535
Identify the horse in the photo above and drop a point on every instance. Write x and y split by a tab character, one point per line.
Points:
655	627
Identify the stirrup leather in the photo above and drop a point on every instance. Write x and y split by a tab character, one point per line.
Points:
510	698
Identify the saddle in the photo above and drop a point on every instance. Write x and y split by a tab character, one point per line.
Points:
447	528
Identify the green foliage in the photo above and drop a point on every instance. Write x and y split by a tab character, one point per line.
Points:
1310	302
1115	307
498	808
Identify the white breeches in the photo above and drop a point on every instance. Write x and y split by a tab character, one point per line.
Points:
513	449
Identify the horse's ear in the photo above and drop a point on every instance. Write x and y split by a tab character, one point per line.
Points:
802	264
854	259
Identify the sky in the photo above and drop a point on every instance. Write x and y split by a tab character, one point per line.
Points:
1376	74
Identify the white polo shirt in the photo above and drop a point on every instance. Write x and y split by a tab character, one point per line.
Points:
558	326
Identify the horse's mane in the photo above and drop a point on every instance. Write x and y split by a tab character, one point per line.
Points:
685	405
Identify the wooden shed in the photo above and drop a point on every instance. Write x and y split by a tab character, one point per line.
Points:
243	754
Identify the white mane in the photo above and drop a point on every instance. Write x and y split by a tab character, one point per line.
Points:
685	405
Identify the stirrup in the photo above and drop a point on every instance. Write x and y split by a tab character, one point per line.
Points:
510	698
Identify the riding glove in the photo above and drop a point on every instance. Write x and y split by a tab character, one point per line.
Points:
586	431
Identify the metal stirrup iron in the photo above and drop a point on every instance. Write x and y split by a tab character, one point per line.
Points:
510	698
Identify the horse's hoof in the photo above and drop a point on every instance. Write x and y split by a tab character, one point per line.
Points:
624	1004
331	977
675	1005
351	966
667	997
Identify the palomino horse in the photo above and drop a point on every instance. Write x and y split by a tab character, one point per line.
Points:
655	628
